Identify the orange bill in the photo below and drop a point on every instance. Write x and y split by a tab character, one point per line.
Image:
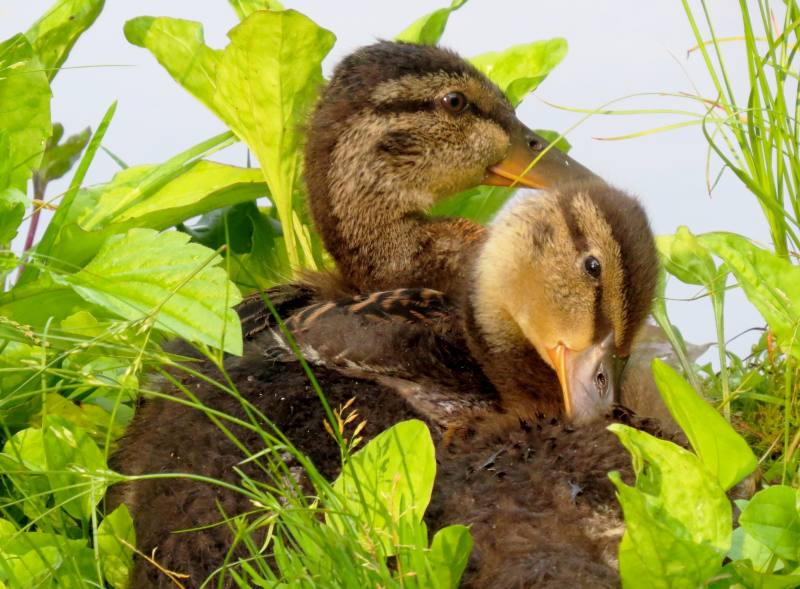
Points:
531	161
586	378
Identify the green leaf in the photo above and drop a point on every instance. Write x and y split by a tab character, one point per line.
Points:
115	536
34	304
267	80
391	477
753	579
771	518
12	211
201	187
427	30
519	70
69	448
180	47
59	158
143	272
245	8
745	547
55	33
677	517
685	258
25	96
449	555
723	451
770	282
478	204
157	197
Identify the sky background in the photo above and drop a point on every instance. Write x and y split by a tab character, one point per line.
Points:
616	48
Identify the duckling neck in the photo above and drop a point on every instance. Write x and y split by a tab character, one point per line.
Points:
373	222
526	384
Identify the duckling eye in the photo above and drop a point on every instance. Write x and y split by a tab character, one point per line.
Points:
601	381
455	102
592	266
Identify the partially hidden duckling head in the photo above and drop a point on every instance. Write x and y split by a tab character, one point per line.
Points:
571	273
401	126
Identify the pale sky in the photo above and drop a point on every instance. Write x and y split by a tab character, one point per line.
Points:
616	48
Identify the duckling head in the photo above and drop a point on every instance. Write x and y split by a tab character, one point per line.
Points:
571	273
413	124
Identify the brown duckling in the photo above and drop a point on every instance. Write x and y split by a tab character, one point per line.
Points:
399	127
570	273
559	285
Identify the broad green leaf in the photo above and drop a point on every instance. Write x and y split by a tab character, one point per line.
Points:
685	258
753	579
723	451
69	448
202	187
427	30
25	120
449	554
770	282
519	70
156	197
771	518
391	477
267	80
143	272
245	8
38	559
55	33
115	206
38	302
745	547
678	519
60	157
115	536
180	47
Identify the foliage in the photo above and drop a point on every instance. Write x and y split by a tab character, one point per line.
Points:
372	511
109	280
679	527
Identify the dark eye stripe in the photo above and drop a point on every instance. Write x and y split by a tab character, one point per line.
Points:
405	106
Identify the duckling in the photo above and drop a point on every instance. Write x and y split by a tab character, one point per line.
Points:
561	282
399	127
557	288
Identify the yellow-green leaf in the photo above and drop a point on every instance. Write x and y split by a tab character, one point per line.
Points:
770	282
144	273
56	32
428	29
25	120
520	69
723	452
267	80
180	47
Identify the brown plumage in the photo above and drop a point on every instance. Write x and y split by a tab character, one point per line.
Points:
381	149
526	294
428	355
385	143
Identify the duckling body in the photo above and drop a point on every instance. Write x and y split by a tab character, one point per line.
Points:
523	320
410	353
